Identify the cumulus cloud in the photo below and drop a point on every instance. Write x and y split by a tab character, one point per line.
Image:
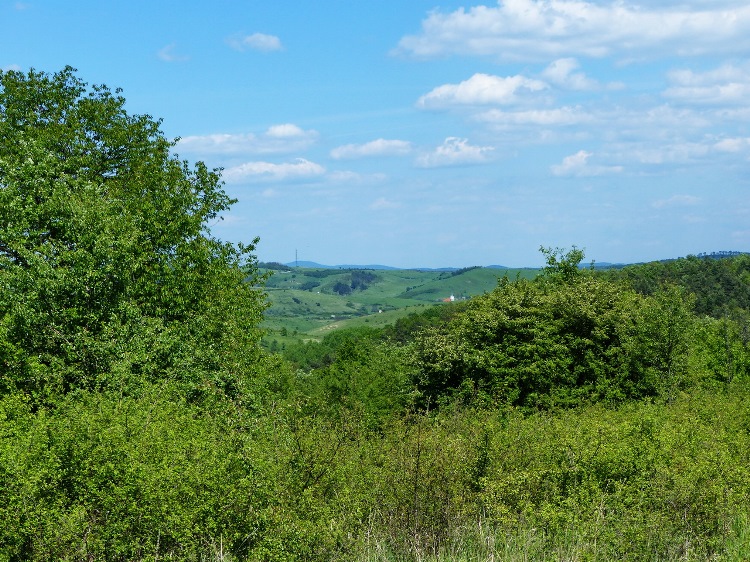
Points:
379	147
300	169
286	131
564	73
256	42
540	29
276	139
728	84
578	165
481	89
454	152
169	54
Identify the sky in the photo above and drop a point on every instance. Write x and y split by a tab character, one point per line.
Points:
435	133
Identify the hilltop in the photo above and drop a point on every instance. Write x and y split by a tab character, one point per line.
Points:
307	302
275	265
308	299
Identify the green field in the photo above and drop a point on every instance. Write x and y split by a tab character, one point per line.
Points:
307	303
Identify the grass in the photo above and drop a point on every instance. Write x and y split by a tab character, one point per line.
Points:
305	304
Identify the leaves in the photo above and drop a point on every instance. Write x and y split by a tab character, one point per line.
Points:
103	234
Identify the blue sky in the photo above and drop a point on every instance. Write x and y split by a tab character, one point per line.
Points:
435	133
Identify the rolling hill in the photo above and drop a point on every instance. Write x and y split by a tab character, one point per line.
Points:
308	302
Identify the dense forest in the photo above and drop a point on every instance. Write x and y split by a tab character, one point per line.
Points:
580	415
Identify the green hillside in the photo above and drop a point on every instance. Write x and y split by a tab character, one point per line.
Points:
307	303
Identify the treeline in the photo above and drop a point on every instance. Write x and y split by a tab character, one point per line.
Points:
570	337
575	416
721	285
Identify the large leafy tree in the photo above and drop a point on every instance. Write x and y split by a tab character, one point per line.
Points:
109	275
566	337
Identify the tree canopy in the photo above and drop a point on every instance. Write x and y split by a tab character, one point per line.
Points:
109	274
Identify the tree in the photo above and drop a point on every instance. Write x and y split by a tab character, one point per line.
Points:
561	265
109	275
659	347
540	344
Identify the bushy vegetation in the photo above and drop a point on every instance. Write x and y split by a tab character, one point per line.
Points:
721	286
581	415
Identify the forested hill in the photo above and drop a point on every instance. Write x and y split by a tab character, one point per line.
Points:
719	281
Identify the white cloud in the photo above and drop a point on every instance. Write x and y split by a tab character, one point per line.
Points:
282	138
349	177
727	84
481	89
379	147
383	204
257	42
169	54
578	165
539	29
454	152
733	145
676	201
300	169
674	153
11	67
562	73
542	117
285	131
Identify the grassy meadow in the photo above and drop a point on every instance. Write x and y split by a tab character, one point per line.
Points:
305	305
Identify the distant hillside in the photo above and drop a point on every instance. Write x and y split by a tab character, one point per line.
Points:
314	265
308	301
597	264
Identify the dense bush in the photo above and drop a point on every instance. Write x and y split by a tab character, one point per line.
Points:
108	273
542	344
721	286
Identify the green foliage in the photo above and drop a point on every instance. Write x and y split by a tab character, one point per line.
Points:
274	266
309	285
659	345
108	274
721	350
352	369
721	286
407	328
312	355
362	279
464	270
561	265
112	478
541	345
115	478
342	288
